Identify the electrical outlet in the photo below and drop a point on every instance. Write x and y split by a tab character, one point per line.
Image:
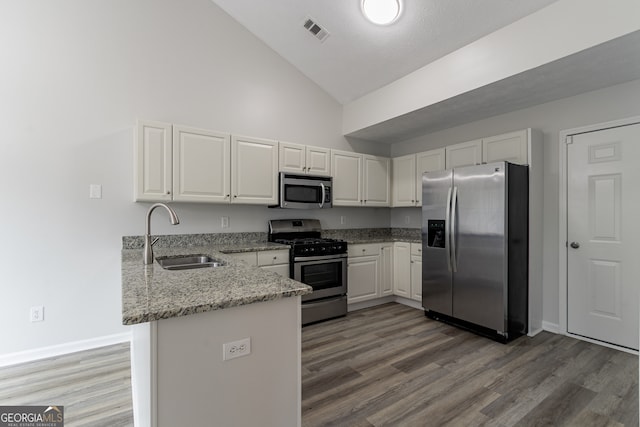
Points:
225	222
37	313
343	219
407	219
231	350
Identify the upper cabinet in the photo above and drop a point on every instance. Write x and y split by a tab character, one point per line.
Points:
463	154
511	147
360	179
254	170
303	159
407	175
185	164
201	161
152	152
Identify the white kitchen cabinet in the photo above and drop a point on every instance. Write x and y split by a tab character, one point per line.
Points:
416	271
376	179
304	159
153	161
360	179
511	147
407	175
463	154
254	171
201	162
346	169
402	269
428	161
386	269
363	278
404	181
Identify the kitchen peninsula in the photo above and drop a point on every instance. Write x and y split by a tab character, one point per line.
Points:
180	321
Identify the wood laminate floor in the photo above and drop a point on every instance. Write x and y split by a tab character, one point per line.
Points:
94	386
391	366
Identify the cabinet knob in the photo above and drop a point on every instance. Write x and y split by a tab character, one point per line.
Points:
168	192
275	257
227	196
235	195
413	201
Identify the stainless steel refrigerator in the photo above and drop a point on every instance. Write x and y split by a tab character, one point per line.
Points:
475	248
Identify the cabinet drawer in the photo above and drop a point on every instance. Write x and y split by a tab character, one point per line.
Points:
416	249
366	249
248	257
273	257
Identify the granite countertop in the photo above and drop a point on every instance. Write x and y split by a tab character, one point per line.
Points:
152	293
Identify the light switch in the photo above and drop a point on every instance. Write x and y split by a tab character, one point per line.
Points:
95	191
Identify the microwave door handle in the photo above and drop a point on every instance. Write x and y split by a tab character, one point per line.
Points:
323	194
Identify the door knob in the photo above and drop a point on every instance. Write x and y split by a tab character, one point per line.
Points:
575	245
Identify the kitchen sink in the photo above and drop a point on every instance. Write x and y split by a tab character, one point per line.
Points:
188	262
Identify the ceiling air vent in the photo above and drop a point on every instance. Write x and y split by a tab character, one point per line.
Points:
316	30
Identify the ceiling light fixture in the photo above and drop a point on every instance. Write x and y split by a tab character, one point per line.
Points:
381	12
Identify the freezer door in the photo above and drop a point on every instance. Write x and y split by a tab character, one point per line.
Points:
436	267
479	246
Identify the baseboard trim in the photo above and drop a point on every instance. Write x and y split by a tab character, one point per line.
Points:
371	303
551	327
61	349
409	302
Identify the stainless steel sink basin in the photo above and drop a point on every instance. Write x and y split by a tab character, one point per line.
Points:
187	262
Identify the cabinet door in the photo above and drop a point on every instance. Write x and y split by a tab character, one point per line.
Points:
273	257
153	161
404	181
465	154
254	170
346	169
363	278
386	270
402	269
376	181
416	278
318	161
511	147
201	161
291	157
428	161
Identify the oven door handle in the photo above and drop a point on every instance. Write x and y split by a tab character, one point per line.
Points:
319	258
323	195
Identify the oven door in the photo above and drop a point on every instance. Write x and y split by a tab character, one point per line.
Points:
327	275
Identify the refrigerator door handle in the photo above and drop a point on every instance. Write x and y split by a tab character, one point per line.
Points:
454	231
447	232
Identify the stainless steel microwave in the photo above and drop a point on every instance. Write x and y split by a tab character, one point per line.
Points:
305	191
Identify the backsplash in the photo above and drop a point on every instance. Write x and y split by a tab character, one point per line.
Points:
210	239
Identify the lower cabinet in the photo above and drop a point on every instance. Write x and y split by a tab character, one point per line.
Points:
407	270
376	270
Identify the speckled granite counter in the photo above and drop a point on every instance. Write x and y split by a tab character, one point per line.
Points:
153	293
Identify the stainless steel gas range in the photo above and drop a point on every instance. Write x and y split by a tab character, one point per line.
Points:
317	262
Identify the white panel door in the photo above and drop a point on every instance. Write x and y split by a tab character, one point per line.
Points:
404	181
254	170
346	169
318	161
428	161
464	154
376	181
603	234
201	161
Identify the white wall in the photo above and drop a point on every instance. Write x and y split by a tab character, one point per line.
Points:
75	75
599	106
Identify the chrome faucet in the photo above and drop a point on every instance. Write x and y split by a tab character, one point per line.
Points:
148	244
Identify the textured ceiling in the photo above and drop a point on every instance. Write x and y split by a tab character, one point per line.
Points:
359	57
